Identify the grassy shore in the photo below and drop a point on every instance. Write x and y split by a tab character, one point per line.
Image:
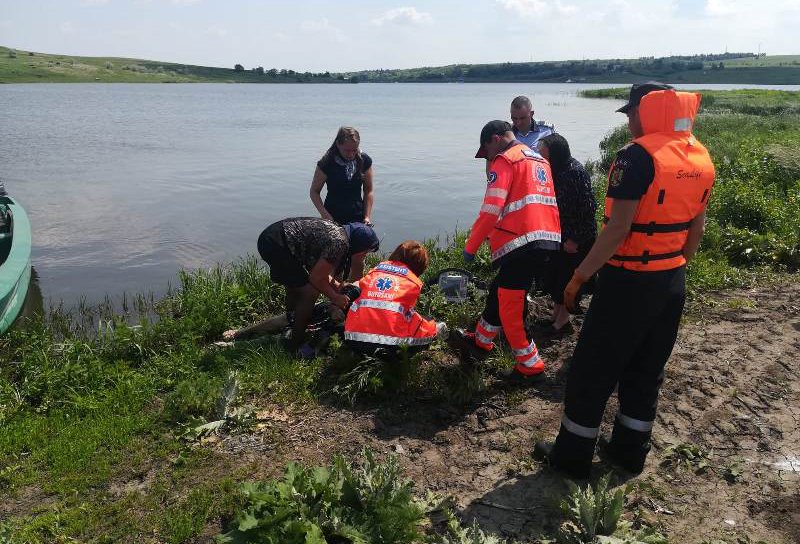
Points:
109	418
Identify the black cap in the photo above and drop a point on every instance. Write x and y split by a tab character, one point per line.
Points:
639	90
490	129
361	237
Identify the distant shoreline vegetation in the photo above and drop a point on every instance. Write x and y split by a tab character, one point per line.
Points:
17	66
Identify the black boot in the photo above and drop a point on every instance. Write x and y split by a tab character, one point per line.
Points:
576	467
627	448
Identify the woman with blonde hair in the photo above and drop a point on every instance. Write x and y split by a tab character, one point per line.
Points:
347	173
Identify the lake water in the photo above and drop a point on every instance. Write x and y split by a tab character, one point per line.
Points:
126	184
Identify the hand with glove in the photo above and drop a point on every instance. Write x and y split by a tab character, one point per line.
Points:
442	332
572	289
468	257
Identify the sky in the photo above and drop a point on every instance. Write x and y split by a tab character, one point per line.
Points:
347	35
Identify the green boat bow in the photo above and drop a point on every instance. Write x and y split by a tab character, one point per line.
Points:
15	269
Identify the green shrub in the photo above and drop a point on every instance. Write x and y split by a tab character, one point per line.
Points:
340	503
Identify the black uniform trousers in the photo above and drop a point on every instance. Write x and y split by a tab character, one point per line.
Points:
627	336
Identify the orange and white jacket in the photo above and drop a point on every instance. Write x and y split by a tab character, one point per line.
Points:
519	207
384	312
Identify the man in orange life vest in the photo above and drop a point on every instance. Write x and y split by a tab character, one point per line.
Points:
520	218
658	189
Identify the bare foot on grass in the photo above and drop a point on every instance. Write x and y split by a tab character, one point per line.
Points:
229	335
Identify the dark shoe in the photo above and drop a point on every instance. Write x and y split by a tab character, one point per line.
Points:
543	323
464	342
544	451
611	454
553	332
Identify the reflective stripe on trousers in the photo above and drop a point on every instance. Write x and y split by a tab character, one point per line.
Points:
485	333
579	430
388	340
520	241
634	424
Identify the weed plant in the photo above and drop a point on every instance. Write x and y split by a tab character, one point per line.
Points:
344	502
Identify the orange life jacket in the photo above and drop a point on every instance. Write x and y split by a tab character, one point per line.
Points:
684	176
525	205
384	313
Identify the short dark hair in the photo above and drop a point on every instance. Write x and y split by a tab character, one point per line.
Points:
522	102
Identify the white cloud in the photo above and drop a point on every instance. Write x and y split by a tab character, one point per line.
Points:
404	16
323	27
534	8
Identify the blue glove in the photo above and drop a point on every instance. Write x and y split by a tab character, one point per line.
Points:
468	257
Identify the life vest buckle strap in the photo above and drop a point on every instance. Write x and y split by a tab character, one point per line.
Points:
659	228
645	257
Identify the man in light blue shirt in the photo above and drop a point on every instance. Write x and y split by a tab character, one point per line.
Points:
526	129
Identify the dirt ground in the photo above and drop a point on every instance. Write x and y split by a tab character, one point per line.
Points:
732	395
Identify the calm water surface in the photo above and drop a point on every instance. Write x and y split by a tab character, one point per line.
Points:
126	184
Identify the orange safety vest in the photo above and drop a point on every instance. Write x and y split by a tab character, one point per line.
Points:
384	313
684	176
525	206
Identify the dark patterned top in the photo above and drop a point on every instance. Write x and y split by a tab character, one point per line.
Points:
310	239
2	189
345	199
576	204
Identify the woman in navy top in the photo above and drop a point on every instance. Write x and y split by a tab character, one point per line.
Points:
347	172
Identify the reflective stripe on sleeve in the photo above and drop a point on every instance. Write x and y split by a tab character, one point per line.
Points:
498	193
388	340
490	208
527	200
579	430
520	241
634	424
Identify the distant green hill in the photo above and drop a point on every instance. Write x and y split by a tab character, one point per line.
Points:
716	68
18	66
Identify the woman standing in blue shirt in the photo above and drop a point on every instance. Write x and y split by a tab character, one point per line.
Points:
347	172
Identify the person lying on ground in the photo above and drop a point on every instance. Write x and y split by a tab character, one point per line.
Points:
383	315
309	256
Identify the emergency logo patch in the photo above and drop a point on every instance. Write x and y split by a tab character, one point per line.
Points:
541	175
384	284
491	178
615	179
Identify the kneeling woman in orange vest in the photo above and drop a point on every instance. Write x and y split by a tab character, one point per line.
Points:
383	316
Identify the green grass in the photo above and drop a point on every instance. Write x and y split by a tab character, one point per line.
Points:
17	66
99	431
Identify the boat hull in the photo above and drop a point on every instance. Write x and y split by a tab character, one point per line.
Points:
15	272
